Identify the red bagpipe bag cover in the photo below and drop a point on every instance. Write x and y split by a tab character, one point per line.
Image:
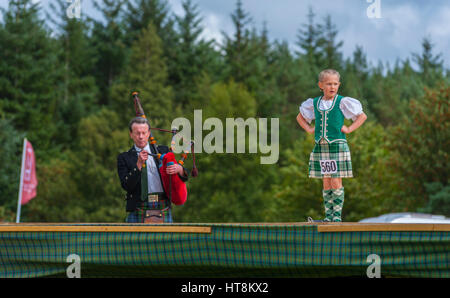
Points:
178	188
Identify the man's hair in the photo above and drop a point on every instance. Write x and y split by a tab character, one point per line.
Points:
328	72
138	120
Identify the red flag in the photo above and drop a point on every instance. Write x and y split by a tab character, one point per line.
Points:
29	180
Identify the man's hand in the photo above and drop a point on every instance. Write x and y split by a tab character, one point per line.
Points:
142	159
175	169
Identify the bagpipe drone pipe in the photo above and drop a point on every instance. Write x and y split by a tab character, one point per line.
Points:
174	187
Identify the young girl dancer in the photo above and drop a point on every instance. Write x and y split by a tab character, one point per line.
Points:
330	159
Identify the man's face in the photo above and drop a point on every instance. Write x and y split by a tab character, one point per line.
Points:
330	86
140	134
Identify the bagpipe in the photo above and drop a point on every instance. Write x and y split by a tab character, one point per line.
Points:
173	186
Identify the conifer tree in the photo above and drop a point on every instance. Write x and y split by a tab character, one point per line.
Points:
237	48
420	145
78	89
140	13
110	50
230	185
248	56
29	72
10	159
354	77
146	73
329	45
193	55
309	41
430	65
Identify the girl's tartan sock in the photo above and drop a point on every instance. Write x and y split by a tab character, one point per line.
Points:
338	203
328	204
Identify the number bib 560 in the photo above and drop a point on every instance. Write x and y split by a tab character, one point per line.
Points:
328	167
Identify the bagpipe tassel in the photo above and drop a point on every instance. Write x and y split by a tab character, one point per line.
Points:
194	171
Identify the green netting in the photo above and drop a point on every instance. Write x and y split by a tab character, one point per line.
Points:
229	251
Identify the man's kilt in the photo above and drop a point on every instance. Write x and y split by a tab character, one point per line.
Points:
138	216
338	151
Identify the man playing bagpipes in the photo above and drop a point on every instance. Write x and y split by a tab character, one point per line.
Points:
150	175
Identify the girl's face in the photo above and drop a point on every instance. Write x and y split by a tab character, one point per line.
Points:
329	86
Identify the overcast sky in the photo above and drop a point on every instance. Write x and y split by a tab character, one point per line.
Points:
395	30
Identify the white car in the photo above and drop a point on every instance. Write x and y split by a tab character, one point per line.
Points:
407	217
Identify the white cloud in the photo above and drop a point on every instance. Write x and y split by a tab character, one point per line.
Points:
439	26
439	31
403	23
214	25
176	7
397	34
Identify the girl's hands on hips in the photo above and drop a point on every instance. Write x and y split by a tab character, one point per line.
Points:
345	129
357	123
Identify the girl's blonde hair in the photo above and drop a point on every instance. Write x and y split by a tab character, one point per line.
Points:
328	72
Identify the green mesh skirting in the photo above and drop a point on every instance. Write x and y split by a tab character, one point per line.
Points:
230	250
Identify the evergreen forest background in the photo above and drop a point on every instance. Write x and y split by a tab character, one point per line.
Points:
68	91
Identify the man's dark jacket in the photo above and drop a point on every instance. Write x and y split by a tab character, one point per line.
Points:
130	175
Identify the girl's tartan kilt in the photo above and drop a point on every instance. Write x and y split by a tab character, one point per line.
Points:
338	151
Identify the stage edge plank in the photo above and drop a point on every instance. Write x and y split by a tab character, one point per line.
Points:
152	228
356	227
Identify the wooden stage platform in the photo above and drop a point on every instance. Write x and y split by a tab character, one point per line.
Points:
224	249
206	228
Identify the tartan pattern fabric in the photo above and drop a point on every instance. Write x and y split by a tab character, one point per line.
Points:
338	151
138	216
328	205
338	203
239	250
